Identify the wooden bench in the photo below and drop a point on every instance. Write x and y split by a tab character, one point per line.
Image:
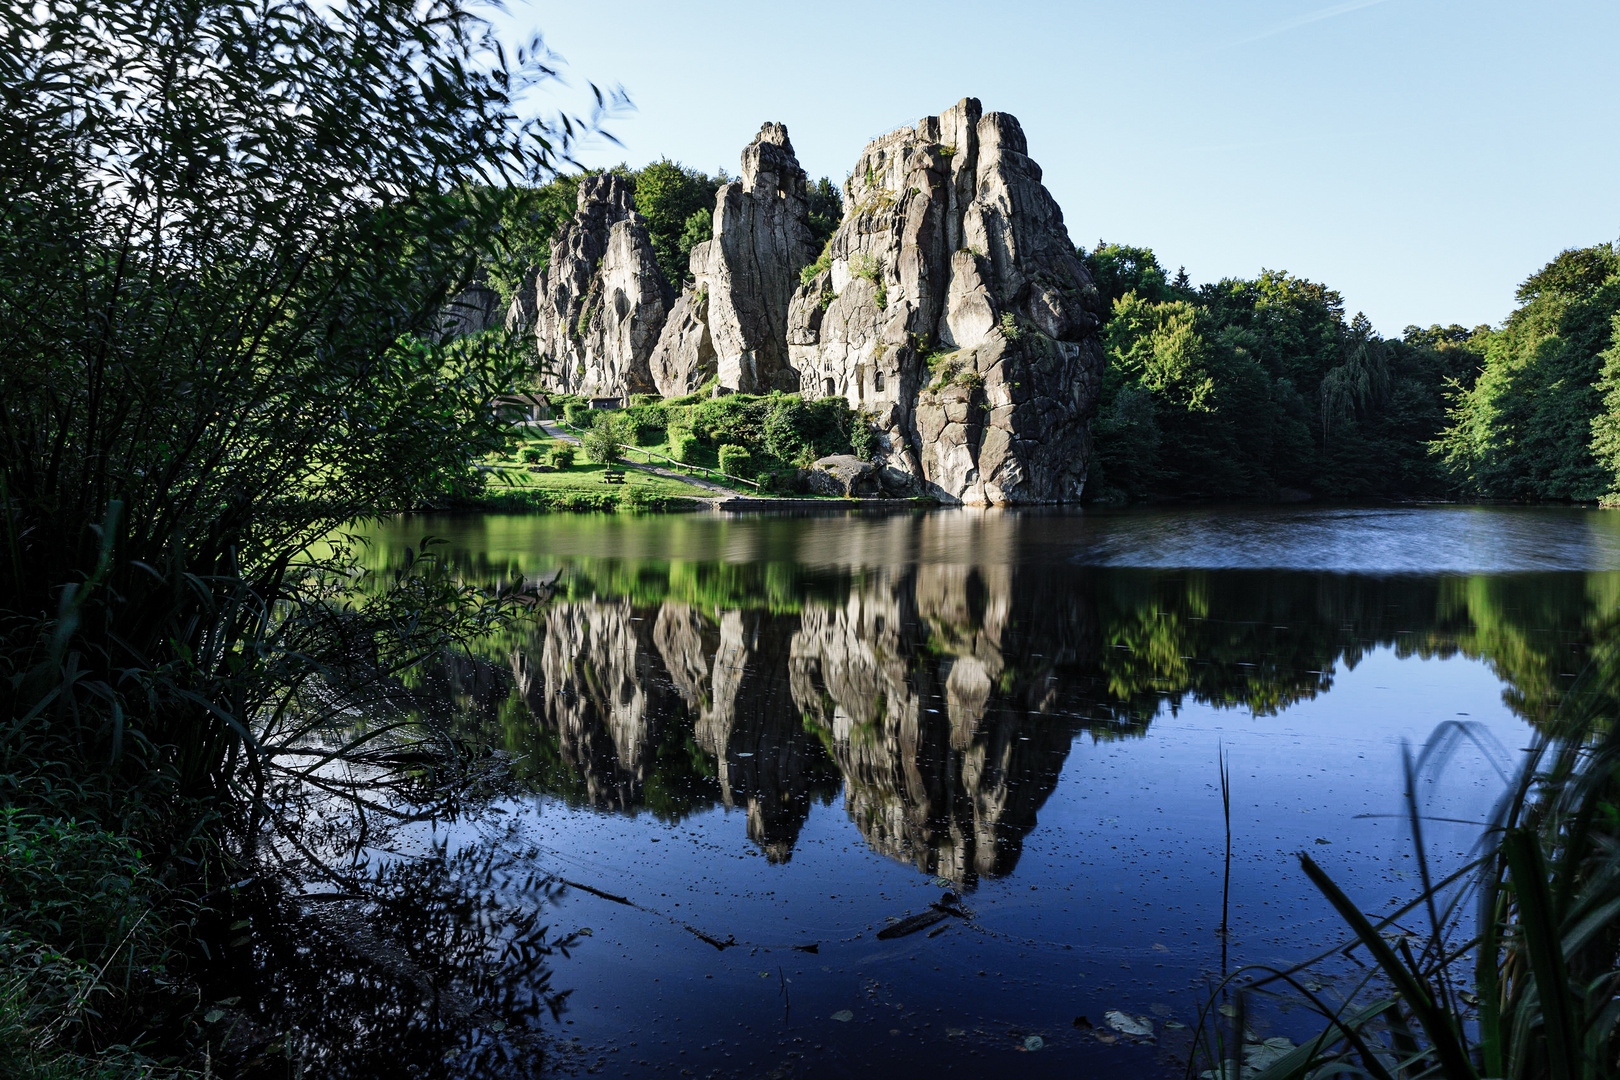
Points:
613	476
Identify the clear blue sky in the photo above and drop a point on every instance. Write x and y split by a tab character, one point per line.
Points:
1420	156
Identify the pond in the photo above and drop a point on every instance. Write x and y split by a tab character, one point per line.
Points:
750	749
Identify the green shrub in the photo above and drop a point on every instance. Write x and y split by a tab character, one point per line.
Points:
870	268
683	447
787	427
820	266
576	415
562	455
734	460
83	932
642	499
780	426
736	418
696	397
531	455
863	440
644	427
603	440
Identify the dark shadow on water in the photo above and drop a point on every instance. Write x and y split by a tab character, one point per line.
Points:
437	966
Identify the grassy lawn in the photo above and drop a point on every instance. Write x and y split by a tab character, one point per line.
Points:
587	477
658	454
579	487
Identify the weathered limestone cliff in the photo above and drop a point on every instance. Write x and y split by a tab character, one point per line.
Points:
598	308
734	320
952	307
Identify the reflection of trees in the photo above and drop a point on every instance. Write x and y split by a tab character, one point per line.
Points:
945	697
1537	631
428	967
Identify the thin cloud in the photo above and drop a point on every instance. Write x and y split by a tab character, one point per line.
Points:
1302	20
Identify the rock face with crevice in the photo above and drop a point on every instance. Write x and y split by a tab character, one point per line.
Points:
733	321
597	309
684	358
952	308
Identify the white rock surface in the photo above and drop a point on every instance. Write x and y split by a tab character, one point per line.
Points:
955	311
599	306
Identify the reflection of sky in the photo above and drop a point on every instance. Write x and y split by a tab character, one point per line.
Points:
1412	540
1112	904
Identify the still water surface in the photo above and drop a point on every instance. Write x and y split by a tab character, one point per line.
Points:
775	736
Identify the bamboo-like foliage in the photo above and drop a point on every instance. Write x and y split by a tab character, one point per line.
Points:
1530	990
226	230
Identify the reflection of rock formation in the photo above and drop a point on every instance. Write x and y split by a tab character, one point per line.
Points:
954	791
611	680
591	683
945	694
929	690
744	715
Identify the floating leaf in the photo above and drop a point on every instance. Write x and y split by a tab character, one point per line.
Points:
1126	1024
1034	1042
843	1016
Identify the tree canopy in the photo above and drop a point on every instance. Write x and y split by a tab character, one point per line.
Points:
1249	388
1539	419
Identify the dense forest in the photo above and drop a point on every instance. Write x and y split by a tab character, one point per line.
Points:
1262	389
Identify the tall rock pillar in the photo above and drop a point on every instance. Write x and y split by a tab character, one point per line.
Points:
599	306
733	322
953	310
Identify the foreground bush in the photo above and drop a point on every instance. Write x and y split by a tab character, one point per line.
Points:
226	231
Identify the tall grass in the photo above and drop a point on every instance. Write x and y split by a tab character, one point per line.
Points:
1516	973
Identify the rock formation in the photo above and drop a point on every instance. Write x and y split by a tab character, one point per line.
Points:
471	311
683	359
844	475
598	308
951	305
734	320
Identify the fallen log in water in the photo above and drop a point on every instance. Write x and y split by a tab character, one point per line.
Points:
913	923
